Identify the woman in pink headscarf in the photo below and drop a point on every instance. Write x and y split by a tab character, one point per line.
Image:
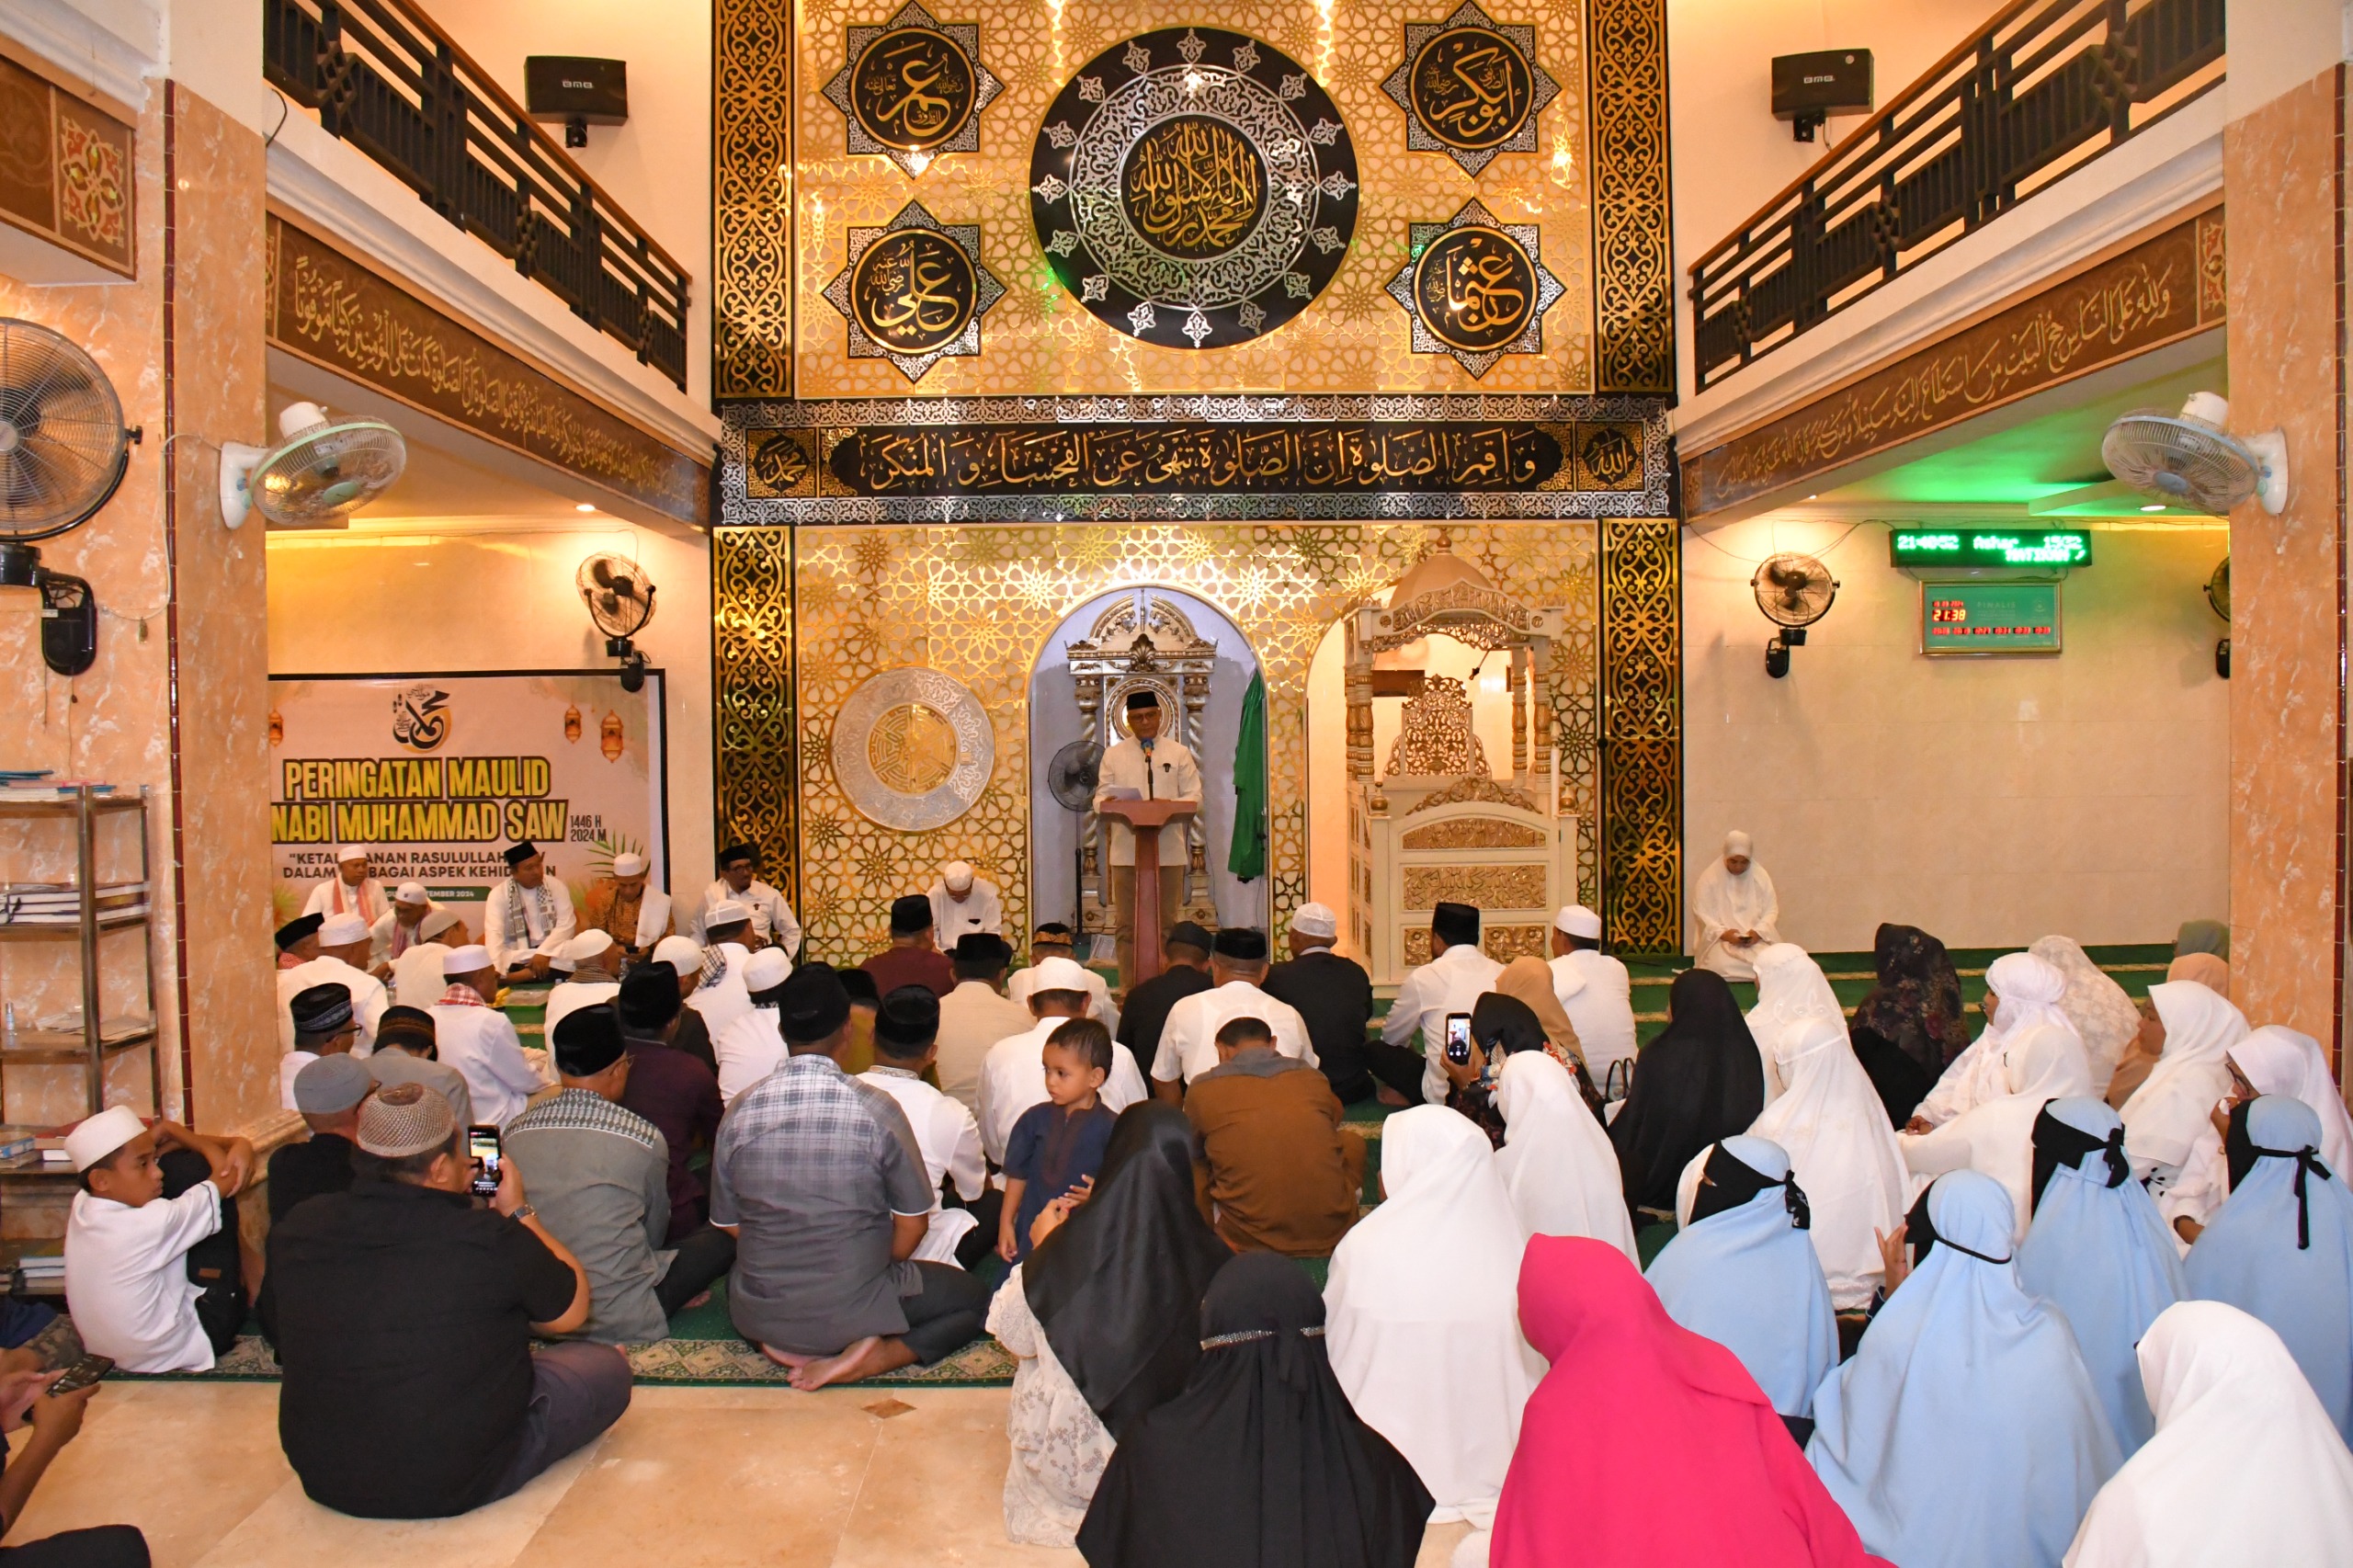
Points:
1640	1420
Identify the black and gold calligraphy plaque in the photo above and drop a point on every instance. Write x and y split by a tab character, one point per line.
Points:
1470	87
912	89
1476	288
1336	457
1195	188
914	290
779	464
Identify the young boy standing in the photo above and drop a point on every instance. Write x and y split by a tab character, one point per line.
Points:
151	1245
1057	1147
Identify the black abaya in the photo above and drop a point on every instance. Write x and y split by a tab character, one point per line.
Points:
1700	1081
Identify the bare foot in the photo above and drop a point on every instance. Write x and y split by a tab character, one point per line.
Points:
694	1301
843	1368
786	1357
1390	1097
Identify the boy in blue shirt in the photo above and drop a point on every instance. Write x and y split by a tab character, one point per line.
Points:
1057	1147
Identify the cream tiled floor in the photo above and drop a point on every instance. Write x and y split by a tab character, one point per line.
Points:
689	1477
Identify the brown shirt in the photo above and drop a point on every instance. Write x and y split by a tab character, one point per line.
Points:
1278	1174
894	967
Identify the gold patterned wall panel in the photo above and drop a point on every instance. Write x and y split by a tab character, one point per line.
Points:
978	602
1641	731
1041	340
1634	292
1487	887
751	298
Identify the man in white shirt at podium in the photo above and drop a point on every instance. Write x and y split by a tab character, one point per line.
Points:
1145	767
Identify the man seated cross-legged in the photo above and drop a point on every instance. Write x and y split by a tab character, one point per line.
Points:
1277	1172
821	1180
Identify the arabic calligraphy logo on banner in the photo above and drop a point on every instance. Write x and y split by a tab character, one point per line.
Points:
1470	87
1476	288
912	749
1195	189
914	291
912	89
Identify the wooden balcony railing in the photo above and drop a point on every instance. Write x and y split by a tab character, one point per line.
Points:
2044	88
384	77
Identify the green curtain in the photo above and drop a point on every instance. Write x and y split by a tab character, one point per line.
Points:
1248	858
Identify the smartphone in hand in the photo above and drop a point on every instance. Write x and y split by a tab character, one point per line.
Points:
482	1143
82	1374
1458	1038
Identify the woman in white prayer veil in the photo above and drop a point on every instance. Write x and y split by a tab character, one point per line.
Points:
1842	1152
2165	1116
1556	1161
2044	1064
1423	1312
1737	910
2104	1016
2273	1060
2021	992
2245	1472
1791	988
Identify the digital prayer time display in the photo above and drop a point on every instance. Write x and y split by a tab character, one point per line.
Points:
1989	618
1989	547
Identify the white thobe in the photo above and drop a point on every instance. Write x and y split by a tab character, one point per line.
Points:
1189	1038
951	1142
1596	991
126	1278
1724	903
418	980
480	1043
1013	1078
1169	774
952	917
1451	982
771	916
1022	982
334	896
367	998
726	999
518	923
388	930
749	1048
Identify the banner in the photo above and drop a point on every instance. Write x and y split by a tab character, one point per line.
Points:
437	775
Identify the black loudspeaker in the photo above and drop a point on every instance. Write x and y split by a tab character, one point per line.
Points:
1809	88
2223	658
575	91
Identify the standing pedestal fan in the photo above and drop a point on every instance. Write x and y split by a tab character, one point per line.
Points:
1071	778
64	451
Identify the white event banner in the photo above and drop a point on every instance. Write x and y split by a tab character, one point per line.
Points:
436	775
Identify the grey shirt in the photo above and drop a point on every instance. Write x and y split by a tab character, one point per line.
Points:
813	1164
391	1065
599	1177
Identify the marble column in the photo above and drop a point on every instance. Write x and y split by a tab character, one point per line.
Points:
2284	183
176	702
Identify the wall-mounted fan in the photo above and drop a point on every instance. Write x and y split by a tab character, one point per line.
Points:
320	473
2191	458
64	451
1794	591
2217	599
621	601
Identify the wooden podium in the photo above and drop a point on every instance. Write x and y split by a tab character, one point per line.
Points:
1146	818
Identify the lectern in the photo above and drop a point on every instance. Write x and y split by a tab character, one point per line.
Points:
1146	818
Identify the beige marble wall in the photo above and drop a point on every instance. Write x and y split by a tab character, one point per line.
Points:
115	722
2287	573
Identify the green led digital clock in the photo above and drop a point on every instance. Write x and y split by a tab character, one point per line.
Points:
2033	548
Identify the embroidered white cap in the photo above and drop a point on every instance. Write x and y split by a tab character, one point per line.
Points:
412	893
1058	974
957	876
629	864
434	924
467	959
767	968
1316	920
1576	920
101	1135
340	930
726	912
589	944
680	953
350	852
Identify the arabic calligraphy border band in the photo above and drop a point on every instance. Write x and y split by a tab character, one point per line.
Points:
751	118
915	154
1423	136
1526	240
983	292
1633	291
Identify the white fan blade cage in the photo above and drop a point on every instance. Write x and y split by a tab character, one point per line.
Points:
320	474
619	594
62	446
1793	589
2191	458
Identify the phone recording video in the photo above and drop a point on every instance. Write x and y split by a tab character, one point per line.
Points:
482	1142
82	1374
1458	1038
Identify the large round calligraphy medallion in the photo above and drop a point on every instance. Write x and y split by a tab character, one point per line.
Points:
1474	288
912	290
911	89
1472	88
912	749
1193	188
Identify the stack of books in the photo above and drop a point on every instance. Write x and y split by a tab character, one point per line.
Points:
44	1272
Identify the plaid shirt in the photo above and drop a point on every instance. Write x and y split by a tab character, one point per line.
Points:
813	1164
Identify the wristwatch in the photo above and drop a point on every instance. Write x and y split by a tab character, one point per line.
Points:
523	1211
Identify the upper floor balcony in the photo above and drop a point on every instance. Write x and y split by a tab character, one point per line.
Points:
2043	88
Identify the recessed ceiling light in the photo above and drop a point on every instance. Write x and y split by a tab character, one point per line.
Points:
1813	498
2155	507
586	506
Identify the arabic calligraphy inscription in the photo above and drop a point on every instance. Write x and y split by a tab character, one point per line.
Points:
1193	186
911	89
912	290
1475	289
1472	88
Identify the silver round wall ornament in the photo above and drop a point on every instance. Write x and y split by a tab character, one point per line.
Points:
912	749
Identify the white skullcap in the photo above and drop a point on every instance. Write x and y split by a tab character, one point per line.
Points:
1737	843
726	912
1314	920
351	852
680	953
339	930
1576	920
1058	974
767	968
629	865
411	893
958	876
435	923
589	944
474	956
101	1135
